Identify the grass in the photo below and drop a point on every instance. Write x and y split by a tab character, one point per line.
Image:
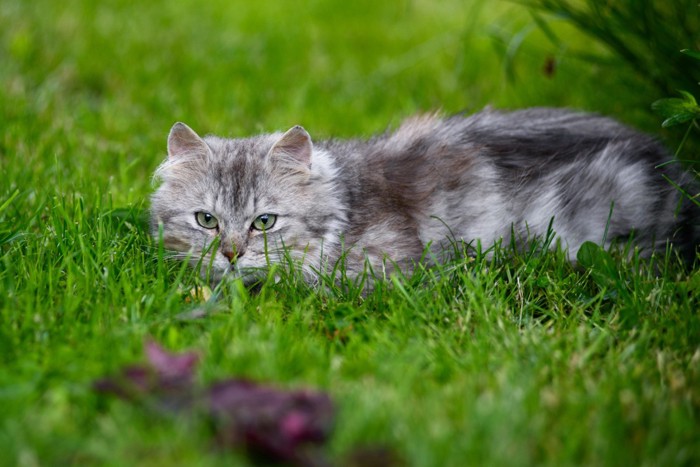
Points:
521	360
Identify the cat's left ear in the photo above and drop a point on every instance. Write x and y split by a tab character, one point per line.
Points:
293	149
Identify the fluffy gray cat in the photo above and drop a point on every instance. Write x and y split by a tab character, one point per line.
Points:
488	177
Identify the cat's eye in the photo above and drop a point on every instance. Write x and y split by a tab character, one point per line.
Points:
206	220
264	222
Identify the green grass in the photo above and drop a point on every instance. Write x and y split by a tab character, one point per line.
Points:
521	360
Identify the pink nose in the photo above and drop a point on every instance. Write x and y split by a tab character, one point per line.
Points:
230	255
233	254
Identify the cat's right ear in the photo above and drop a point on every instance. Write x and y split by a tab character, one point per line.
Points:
293	149
183	141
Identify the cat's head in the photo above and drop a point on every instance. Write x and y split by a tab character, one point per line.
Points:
236	205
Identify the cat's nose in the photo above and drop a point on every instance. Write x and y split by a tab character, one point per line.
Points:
230	255
233	254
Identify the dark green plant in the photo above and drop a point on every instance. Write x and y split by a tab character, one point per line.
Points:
645	37
643	34
679	110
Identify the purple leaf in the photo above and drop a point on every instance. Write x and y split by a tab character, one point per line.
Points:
170	365
274	423
166	381
132	382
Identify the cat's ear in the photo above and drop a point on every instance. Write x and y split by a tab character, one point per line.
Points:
183	141
293	149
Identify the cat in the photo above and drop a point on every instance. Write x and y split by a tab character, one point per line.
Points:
383	202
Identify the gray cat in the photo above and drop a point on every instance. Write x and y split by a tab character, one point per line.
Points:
386	201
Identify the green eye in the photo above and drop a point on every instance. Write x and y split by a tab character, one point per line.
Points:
206	220
264	222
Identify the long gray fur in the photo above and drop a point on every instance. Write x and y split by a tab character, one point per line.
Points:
484	178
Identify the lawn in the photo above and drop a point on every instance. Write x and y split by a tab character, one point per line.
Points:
521	359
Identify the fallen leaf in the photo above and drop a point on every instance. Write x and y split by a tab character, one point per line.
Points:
273	423
270	423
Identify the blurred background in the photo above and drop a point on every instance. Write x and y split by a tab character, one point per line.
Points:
89	90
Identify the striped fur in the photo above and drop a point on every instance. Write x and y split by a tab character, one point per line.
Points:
485	177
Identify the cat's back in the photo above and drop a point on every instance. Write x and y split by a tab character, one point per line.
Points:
491	173
431	147
531	138
524	142
538	131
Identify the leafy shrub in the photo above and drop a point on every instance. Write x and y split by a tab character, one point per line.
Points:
646	35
